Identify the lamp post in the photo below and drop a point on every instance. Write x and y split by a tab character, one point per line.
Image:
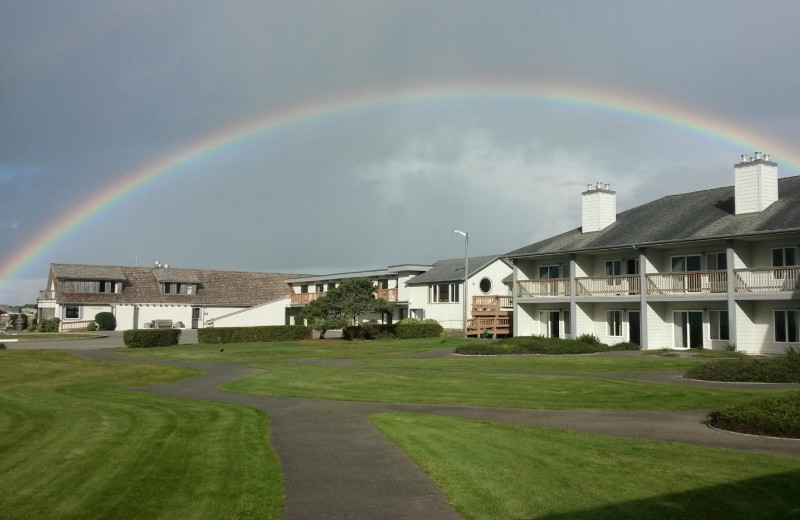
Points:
466	275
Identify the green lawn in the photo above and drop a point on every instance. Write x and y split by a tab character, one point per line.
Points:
496	471
311	349
482	389
75	444
582	363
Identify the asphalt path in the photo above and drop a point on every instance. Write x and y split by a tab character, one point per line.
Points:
336	464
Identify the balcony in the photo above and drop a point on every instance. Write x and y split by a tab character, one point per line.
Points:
767	280
551	287
46	296
304	298
490	303
690	282
608	285
387	294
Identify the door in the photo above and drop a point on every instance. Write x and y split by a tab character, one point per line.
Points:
635	327
689	264
196	317
688	329
550	323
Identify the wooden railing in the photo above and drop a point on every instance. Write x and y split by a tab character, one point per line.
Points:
491	302
387	294
74	326
546	287
303	298
47	295
767	280
688	282
494	326
607	285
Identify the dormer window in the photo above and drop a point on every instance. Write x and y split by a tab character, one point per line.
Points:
179	288
91	286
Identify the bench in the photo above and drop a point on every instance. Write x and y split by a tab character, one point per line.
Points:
162	324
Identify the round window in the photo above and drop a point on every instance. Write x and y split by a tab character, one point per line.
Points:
486	285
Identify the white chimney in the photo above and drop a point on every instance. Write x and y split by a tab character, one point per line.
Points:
755	184
599	207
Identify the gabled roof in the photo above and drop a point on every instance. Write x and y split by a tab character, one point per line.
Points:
452	270
392	270
699	215
223	288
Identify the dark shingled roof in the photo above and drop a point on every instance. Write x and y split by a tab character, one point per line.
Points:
451	270
700	215
175	275
222	288
87	272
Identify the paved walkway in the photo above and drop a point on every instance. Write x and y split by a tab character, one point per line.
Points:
337	465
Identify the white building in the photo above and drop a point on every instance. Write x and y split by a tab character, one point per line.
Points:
706	269
137	296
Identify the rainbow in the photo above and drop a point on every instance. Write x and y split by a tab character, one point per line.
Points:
689	119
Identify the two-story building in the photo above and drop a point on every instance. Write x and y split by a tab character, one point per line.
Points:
138	296
707	269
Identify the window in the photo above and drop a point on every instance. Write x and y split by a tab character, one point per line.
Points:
444	293
485	285
613	267
331	286
632	266
717	261
88	286
784	257
178	288
686	263
320	287
614	320
549	271
786	326
383	284
719	324
304	289
72	312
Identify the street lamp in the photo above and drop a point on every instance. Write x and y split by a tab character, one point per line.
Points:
466	275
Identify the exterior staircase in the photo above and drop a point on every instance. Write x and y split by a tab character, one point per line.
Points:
491	314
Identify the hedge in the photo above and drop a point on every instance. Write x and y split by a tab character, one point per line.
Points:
105	321
253	334
769	370
369	331
539	345
773	416
423	329
146	338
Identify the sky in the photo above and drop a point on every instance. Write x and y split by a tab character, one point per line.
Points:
317	137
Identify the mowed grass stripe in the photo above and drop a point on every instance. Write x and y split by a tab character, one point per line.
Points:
483	389
311	349
533	363
74	444
496	471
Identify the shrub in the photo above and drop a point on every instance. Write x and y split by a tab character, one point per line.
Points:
2	346
626	345
48	325
774	416
424	329
589	339
105	321
253	334
409	320
769	370
92	327
146	338
370	330
532	345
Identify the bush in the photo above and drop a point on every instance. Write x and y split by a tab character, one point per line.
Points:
92	327
146	338
626	345
253	334
48	325
769	370
589	339
423	329
532	345
774	416
105	321
370	330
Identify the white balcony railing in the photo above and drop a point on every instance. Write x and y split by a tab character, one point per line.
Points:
767	280
47	295
608	285
690	282
548	287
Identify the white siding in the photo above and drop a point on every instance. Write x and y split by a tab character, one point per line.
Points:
272	313
756	187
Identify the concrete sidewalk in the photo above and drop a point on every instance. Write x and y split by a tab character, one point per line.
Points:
338	465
